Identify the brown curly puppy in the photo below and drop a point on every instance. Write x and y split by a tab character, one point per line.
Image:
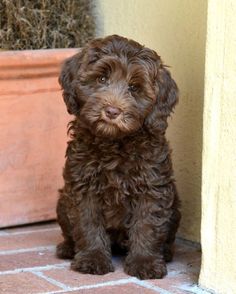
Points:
119	189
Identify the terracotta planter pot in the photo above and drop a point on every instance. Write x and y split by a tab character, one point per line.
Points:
33	122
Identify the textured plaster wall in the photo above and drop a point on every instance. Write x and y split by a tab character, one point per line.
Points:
176	30
219	153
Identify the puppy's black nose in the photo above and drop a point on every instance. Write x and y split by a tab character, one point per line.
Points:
112	112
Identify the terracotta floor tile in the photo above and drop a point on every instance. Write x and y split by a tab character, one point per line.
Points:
76	279
28	260
188	261
24	283
128	288
173	284
29	240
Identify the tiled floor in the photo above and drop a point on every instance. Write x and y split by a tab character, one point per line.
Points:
28	265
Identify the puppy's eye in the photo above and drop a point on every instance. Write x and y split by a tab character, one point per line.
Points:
102	79
133	88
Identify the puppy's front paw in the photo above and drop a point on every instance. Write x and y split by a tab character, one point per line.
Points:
94	262
145	267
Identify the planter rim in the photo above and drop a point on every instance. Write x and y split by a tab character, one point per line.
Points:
15	58
33	63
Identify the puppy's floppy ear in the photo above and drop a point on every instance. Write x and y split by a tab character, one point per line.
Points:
68	80
166	98
167	91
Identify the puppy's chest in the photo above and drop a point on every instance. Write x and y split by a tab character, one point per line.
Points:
117	171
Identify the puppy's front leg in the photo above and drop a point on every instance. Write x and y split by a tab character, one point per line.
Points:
147	235
92	244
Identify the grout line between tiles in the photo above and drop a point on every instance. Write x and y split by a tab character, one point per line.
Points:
94	286
8	233
36	268
52	281
24	250
193	288
152	287
3	233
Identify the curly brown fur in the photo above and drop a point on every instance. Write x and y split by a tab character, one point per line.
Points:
119	189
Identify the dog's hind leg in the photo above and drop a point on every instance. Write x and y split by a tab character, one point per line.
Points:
66	248
169	244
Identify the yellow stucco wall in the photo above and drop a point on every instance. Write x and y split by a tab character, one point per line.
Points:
176	29
219	153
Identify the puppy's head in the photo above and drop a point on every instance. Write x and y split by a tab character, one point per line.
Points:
117	86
